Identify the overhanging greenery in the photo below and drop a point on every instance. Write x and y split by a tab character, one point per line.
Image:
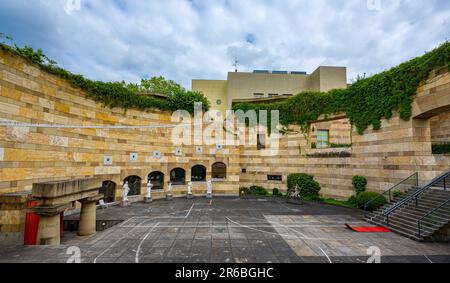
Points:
367	101
116	94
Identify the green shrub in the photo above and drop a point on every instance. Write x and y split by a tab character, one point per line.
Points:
371	199
309	188
258	191
359	183
441	148
313	145
253	191
276	192
352	200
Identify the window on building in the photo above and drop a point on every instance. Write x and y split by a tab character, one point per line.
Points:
258	94
244	170
198	173
261	141
274	177
178	176
322	138
273	94
219	170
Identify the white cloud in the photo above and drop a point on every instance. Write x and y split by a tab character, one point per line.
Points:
181	39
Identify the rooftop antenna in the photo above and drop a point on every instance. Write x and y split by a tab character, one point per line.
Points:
235	64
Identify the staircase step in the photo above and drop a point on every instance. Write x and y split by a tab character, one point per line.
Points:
409	233
409	218
405	218
408	214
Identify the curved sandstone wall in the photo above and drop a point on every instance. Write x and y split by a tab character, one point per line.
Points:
31	155
385	157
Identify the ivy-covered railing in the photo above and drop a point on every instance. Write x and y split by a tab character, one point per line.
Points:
367	101
115	94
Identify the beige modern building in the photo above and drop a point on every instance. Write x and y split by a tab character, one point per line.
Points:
261	85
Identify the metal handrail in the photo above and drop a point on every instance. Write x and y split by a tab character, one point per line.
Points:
419	228
394	187
415	195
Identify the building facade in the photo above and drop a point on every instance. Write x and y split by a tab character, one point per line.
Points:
268	85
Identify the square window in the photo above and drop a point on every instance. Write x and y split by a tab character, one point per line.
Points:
322	138
157	154
133	156
108	160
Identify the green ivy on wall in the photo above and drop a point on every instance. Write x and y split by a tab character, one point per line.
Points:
367	101
116	94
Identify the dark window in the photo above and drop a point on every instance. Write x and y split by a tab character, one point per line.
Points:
109	191
219	170
274	177
134	182
273	94
198	173
178	176
258	94
261	141
244	170
157	179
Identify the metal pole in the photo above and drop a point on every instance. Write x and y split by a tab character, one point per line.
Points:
418	225
417	179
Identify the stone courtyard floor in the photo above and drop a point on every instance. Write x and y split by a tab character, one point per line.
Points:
231	231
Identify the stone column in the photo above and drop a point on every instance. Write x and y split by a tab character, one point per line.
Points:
88	216
49	229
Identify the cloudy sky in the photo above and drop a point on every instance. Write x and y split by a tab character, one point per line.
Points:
186	39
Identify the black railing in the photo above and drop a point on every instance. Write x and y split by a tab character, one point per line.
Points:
428	215
401	188
440	181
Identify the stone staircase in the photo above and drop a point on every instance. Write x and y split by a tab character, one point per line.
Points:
419	213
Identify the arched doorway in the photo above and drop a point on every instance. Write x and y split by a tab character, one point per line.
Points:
109	191
157	179
198	173
134	182
178	176
219	170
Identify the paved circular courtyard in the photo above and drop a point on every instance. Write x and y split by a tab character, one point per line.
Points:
229	231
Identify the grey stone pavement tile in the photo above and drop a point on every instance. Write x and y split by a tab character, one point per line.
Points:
230	231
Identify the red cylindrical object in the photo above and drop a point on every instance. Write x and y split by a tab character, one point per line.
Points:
31	226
